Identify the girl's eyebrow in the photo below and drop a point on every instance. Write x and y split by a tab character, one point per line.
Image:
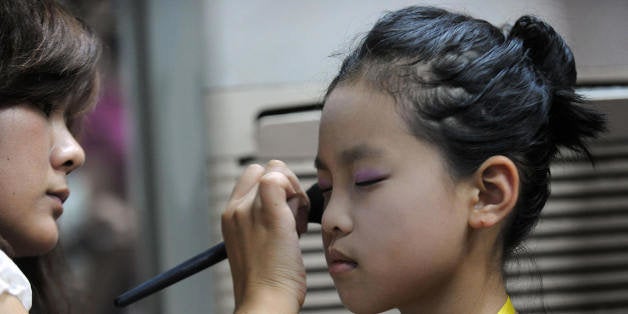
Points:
351	155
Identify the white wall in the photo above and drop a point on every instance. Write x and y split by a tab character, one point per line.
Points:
283	41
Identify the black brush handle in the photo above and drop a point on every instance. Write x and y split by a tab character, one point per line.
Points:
215	254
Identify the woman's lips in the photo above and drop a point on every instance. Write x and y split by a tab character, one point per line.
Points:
338	263
57	207
58	197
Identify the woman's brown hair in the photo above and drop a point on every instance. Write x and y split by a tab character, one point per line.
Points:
48	57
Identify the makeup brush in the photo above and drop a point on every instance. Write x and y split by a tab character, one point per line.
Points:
204	260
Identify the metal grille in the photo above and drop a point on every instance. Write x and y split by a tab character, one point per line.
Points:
576	260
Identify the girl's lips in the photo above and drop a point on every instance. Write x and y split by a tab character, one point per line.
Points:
339	267
338	263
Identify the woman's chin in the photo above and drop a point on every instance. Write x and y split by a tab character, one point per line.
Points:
43	244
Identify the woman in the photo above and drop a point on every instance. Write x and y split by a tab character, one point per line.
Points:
48	80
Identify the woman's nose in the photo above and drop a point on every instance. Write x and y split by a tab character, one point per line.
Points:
67	154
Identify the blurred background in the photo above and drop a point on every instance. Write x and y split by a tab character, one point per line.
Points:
195	90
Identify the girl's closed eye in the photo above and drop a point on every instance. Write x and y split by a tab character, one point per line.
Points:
368	178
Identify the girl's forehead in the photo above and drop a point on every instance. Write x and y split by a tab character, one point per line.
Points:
360	109
355	116
357	102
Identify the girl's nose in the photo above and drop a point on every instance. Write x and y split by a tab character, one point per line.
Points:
67	154
337	220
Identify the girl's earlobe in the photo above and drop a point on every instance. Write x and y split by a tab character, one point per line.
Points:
497	185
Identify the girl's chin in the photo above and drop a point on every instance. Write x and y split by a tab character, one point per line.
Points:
356	303
361	307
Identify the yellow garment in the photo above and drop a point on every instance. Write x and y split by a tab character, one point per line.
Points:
508	308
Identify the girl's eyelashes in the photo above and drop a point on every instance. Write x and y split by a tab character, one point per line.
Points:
369	182
367	178
360	179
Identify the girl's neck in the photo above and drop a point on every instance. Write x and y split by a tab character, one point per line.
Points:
479	293
476	286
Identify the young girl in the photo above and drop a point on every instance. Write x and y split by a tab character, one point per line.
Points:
434	149
47	81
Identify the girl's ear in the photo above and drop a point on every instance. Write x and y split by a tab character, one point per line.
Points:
496	183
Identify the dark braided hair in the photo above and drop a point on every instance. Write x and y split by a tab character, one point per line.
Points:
474	92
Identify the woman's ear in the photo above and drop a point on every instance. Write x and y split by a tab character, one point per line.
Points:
496	183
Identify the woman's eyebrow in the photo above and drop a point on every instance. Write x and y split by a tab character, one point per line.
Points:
351	155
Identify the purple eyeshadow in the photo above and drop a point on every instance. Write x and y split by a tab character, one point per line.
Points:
367	175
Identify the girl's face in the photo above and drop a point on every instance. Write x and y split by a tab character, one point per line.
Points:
37	151
395	221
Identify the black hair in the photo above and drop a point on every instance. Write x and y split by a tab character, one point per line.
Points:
48	58
474	92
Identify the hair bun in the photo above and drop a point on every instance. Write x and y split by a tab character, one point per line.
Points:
569	123
547	50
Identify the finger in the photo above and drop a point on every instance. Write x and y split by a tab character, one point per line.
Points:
300	212
274	188
247	181
280	166
241	200
298	202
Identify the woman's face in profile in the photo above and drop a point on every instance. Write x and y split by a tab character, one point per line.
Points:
36	153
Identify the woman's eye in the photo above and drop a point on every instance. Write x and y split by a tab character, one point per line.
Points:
47	109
